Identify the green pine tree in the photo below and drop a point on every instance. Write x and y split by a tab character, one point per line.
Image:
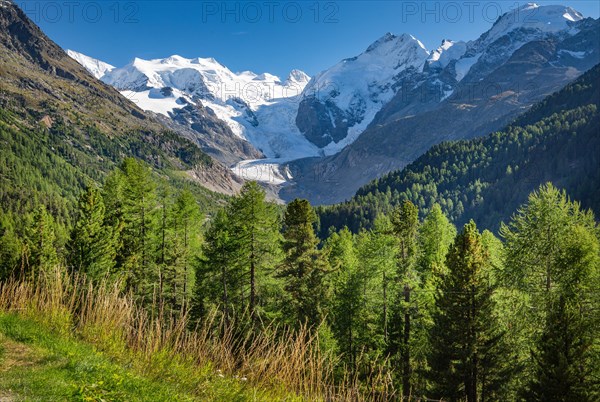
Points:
185	238
218	280
563	364
304	266
92	245
467	345
255	230
41	236
347	301
130	197
551	252
405	225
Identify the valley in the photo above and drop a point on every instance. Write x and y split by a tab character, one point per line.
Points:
406	224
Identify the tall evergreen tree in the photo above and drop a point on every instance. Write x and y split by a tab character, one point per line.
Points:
92	245
11	251
377	252
41	237
435	237
534	239
405	225
347	302
218	279
255	228
131	194
304	266
185	223
564	360
563	365
551	252
466	342
436	234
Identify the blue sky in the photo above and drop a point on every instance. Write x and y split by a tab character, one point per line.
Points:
262	36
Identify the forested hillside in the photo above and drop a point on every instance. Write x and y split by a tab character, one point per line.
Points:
62	130
121	277
485	179
411	307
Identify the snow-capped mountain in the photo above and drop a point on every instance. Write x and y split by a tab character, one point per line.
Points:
96	67
537	20
340	102
447	52
270	122
464	89
258	108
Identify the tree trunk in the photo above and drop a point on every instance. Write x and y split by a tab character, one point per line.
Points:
471	386
225	298
162	258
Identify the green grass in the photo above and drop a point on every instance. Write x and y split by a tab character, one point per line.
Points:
37	364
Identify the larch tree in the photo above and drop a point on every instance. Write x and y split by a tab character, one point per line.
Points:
255	229
551	248
405	225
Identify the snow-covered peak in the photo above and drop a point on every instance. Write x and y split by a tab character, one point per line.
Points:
95	67
447	52
370	74
389	42
388	37
297	77
198	77
358	87
531	16
267	78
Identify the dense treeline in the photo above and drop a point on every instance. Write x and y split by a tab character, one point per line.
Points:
412	304
486	179
44	169
50	166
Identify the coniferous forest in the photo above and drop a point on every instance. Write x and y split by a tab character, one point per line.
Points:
409	307
487	178
473	274
433	310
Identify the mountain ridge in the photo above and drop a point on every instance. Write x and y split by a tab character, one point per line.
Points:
376	111
489	89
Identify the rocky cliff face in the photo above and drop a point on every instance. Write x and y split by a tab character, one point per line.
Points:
339	103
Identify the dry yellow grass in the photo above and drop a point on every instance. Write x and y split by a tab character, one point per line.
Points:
290	364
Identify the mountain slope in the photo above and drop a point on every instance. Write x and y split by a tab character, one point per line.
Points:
95	67
369	114
487	178
339	103
477	88
61	128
